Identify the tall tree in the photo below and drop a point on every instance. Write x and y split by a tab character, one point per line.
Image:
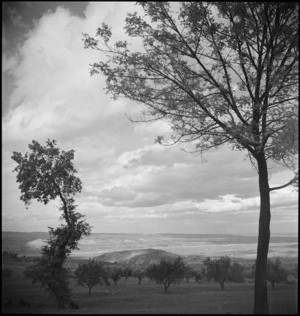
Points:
218	72
45	174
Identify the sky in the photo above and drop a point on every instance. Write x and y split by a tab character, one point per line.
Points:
130	183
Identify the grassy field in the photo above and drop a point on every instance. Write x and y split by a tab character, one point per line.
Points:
130	298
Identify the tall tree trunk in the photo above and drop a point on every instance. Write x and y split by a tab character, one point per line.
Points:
260	288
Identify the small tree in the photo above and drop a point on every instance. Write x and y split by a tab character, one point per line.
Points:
167	272
198	276
208	271
151	271
139	273
275	272
45	174
115	273
189	273
127	272
219	269
236	273
89	274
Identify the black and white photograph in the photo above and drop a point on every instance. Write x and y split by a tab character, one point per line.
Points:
150	157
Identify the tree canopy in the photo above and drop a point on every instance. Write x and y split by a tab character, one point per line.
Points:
218	73
45	174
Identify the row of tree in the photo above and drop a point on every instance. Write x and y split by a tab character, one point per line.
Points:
166	272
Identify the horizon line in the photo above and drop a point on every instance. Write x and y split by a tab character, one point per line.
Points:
119	233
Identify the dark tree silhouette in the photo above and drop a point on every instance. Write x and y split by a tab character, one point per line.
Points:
45	174
219	73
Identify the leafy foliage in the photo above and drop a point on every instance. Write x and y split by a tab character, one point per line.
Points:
201	74
45	174
218	73
167	272
275	272
115	273
218	269
127	272
236	273
139	273
91	274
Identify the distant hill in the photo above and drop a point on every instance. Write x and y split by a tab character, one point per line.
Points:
28	244
142	257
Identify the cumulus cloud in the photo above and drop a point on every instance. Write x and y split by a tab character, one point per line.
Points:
126	176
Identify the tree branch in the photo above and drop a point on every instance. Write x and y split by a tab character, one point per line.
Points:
285	185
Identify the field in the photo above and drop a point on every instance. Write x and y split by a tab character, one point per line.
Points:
130	298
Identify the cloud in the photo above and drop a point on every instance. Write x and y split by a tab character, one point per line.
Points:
126	176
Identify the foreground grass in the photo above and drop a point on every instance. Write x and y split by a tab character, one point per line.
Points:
130	298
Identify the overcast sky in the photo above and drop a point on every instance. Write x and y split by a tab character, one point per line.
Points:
130	184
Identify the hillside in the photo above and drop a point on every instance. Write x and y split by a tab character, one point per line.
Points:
28	244
137	257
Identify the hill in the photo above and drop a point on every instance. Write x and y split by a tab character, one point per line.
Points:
137	257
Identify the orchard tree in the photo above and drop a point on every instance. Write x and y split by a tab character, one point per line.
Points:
127	272
115	273
167	272
44	174
237	272
219	73
198	276
275	272
139	273
90	274
151	271
218	269
189	273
